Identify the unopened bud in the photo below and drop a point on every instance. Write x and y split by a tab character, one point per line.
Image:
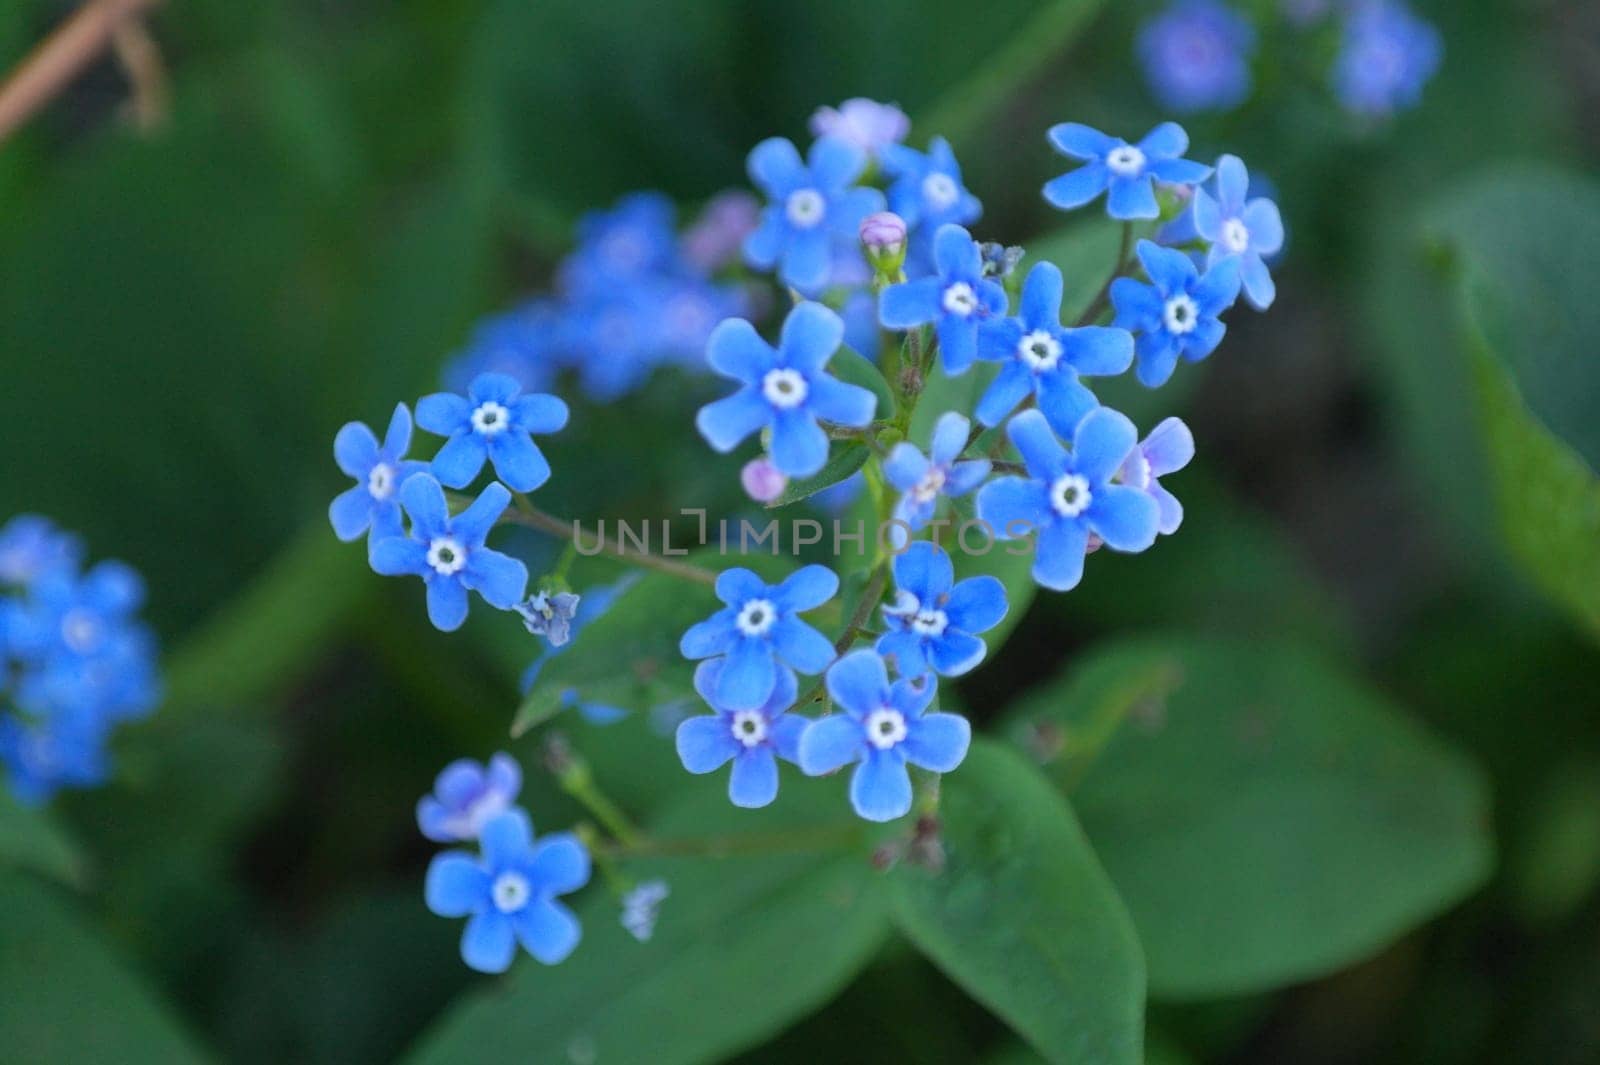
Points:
762	481
883	238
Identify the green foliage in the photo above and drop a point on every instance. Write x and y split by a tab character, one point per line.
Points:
1245	795
31	838
844	461
1024	918
852	367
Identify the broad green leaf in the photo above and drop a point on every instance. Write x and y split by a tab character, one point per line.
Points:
64	997
746	944
1266	817
852	367
1024	918
844	461
31	838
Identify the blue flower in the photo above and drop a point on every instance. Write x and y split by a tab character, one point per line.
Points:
1041	357
956	300
449	553
752	739
1125	172
41	756
865	124
1196	56
492	421
549	615
785	388
933	621
1235	226
1177	313
524	343
687	311
1388	54
883	727
31	545
468	795
379	471
1168	449
1067	497
759	627
612	339
637	238
812	205
922	480
78	616
927	192
508	893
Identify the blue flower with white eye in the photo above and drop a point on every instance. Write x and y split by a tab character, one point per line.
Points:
1168	449
811	205
612	339
449	553
956	300
508	893
1235	226
687	310
927	192
1177	313
494	422
31	545
786	387
1386	57
79	617
753	740
637	238
932	624
1125	172
1041	357
923	479
1196	56
759	627
883	727
468	795
524	343
1066	497
372	505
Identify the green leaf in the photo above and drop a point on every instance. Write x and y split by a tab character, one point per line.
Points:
746	944
64	997
31	838
842	463
1267	818
852	367
1024	918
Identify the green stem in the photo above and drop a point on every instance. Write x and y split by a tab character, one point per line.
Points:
1103	297
532	517
577	781
863	612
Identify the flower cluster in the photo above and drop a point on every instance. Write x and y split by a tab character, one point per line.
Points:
75	661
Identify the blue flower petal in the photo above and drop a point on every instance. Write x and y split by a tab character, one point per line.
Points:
937	741
350	513
1219	288
1125	518
907	650
473	524
397	438
1011	386
518	461
964	476
460	460
801	646
955	253
977	604
765	244
1166	141
911	304
775	166
806	588
540	413
955	653
1041	452
880	790
1178	171
1012	507
1058	555
488	943
806	259
1158	358
1207	216
949	437
835	163
1265	224
1040	307
811	334
1169	447
924	570
443	412
836	401
447	603
736	585
727	421
355	449
754	780
1076	187
1259	288
799	446
398	556
736	350
501	580
904	468
560	864
829	743
547	930
858	682
456	885
958	344
1084	142
710	637
1233	185
1103	441
785	734
1132	198
507	839
748	675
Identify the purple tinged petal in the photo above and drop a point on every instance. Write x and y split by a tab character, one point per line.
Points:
1080	141
799	446
1265	224
432	818
460	460
937	741
1076	187
775	167
547	930
443	413
754	780
801	646
455	885
560	864
1103	440
880	790
1169	447
1132	198
977	604
811	334
836	401
904	468
1168	507
1233	184
1058	555
397	438
748	675
1125	518
355	449
727	421
350	513
488	943
924	570
398	556
830	743
1166	141
806	589
518	461
858	682
911	304
503	775
501	580
447	603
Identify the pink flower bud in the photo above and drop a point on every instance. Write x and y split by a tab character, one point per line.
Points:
883	233
762	481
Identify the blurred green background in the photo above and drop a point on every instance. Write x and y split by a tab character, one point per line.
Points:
340	189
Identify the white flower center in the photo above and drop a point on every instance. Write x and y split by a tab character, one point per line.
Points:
885	728
1235	236
380	482
784	388
959	299
1040	350
930	486
940	191
490	418
929	623
1181	314
1070	495
446	556
756	617
510	891
1126	161
805	208
749	727
80	630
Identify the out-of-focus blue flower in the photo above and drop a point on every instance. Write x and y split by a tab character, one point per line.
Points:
493	421
635	239
1038	355
786	387
758	628
1125	172
379	470
836	497
449	553
883	727
508	893
1177	313
714	240
865	124
468	795
41	756
956	300
927	192
525	343
1066	497
860	314
550	615
1196	56
641	907
687	311
31	545
1388	54
1236	226
1168	449
753	740
812	204
923	479
933	623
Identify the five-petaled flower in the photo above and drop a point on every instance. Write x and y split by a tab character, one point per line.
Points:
923	479
1168	449
883	727
865	123
956	299
927	192
1241	228
759	627
508	893
933	621
468	795
492	421
449	553
752	739
550	614
379	469
1177	313
1042	357
786	387
1125	172
812	204
1066	497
